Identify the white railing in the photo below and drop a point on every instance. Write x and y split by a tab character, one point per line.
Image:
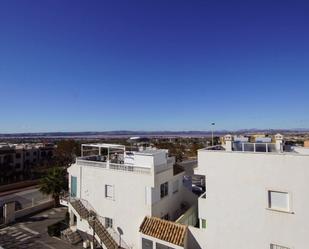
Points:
86	162
113	166
129	168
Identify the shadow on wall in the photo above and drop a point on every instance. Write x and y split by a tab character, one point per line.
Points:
192	243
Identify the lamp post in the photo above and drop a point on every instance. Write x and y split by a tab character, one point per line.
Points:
212	134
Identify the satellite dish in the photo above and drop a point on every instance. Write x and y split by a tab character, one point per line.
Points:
119	230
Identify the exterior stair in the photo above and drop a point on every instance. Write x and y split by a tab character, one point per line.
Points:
72	237
80	209
95	224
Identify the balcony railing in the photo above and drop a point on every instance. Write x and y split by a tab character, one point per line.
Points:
87	161
254	147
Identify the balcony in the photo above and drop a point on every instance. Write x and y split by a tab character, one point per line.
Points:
95	161
254	147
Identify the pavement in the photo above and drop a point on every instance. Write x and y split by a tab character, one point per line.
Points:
31	232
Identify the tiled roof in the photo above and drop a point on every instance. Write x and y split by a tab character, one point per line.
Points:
164	230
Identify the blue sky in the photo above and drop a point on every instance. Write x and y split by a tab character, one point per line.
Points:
153	65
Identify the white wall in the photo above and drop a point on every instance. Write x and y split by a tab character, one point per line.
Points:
127	208
236	203
168	204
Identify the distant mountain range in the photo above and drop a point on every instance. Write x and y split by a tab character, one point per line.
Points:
126	133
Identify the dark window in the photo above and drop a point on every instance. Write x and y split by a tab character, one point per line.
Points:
18	155
146	244
161	246
164	189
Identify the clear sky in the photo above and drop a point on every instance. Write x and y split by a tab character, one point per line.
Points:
153	65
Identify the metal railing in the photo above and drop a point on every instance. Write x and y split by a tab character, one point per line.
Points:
254	147
114	166
129	168
113	233
86	162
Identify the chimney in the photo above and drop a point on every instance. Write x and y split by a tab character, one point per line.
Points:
279	142
228	142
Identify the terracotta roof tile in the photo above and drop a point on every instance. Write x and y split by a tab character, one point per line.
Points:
164	230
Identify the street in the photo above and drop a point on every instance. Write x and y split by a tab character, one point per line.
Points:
32	232
24	198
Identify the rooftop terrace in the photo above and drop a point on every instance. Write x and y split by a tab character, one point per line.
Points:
258	147
116	157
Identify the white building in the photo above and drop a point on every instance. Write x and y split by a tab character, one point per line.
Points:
256	196
119	188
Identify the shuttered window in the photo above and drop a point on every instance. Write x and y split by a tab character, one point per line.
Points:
278	200
109	191
273	246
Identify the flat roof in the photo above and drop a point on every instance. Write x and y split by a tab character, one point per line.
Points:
102	145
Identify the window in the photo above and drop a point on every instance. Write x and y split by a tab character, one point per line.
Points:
161	246
109	191
73	186
164	189
278	200
175	186
18	155
146	244
203	223
273	246
17	166
108	222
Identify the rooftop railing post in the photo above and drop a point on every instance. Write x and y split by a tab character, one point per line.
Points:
266	147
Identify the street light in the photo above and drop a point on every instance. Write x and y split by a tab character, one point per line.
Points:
212	134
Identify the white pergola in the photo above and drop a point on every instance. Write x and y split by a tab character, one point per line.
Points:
109	147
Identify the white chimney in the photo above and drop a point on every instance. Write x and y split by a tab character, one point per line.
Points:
279	142
228	142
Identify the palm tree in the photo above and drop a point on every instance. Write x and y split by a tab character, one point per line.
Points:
54	183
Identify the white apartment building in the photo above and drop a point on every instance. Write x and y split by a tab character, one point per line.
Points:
256	196
112	191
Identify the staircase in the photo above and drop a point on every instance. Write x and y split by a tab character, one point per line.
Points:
95	224
72	237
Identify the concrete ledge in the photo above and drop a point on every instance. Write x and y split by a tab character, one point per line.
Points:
35	209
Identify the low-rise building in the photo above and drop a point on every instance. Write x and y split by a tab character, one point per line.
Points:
256	195
112	190
20	157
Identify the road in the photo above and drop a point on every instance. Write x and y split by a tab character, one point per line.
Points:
24	197
31	232
189	166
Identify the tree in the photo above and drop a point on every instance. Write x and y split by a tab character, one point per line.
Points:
66	152
54	183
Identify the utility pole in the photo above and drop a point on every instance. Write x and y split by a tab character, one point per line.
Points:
212	134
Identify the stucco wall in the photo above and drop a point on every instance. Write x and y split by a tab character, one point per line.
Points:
236	203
